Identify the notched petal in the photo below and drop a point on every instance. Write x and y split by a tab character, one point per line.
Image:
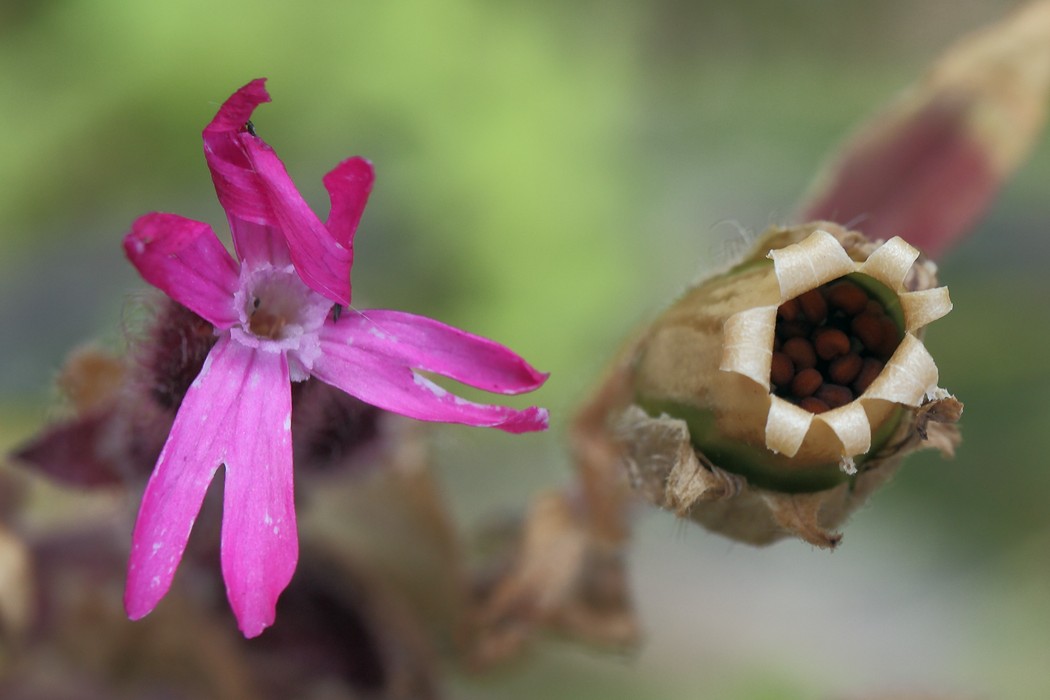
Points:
425	344
259	535
388	383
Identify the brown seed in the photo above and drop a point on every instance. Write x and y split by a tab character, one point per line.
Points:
813	305
848	297
830	343
870	369
788	310
868	328
890	339
834	395
782	370
793	329
801	353
813	405
845	369
874	307
806	382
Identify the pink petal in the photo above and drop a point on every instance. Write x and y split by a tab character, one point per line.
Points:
364	370
236	185
257	244
259	542
173	496
321	262
238	108
235	412
184	259
426	344
254	188
348	185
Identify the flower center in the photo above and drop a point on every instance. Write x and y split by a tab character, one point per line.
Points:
279	304
831	343
264	322
281	314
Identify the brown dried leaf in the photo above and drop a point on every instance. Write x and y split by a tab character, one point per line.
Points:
668	471
392	521
80	643
91	378
561	579
340	627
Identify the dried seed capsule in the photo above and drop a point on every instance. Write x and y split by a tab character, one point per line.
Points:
813	305
868	328
834	395
782	369
831	343
806	382
843	370
848	297
813	405
868	372
801	353
699	380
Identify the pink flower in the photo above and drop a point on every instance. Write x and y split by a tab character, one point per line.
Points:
275	315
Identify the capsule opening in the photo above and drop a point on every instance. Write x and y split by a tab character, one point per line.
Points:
831	343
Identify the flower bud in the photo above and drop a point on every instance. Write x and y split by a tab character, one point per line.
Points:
771	398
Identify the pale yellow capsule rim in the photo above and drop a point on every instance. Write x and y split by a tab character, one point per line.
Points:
909	376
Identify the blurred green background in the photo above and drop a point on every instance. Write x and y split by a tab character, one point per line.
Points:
549	174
